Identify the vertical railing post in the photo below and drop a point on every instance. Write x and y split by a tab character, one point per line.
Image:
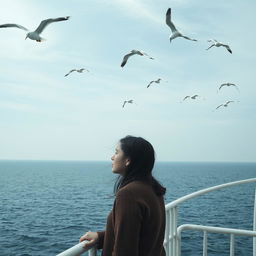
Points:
254	226
205	244
175	248
167	233
179	245
172	252
232	245
171	243
171	232
92	251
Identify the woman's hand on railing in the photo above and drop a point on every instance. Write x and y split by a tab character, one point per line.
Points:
91	237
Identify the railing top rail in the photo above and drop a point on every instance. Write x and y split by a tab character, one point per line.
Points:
76	250
207	190
211	229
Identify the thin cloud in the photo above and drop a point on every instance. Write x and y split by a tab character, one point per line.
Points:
24	107
138	9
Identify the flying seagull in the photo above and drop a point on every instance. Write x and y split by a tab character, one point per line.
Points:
175	32
218	44
194	97
229	84
225	104
35	35
154	81
81	70
133	52
191	97
127	101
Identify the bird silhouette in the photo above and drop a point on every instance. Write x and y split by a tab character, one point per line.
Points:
154	81
225	104
228	84
218	44
35	35
175	32
127	101
133	52
81	70
191	97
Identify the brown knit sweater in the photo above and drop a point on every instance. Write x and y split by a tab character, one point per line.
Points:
136	224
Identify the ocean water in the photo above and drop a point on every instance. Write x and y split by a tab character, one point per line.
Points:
47	205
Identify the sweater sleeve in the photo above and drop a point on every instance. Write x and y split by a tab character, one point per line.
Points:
127	218
101	235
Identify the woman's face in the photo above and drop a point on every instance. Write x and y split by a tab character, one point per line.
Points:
119	161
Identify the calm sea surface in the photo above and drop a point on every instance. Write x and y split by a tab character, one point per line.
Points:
47	205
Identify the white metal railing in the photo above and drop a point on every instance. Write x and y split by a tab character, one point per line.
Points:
172	239
207	229
77	250
254	227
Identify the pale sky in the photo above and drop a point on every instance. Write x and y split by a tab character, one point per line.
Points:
46	116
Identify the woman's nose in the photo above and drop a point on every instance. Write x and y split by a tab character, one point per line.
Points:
112	158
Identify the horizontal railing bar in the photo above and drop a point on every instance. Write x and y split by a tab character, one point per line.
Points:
76	250
204	191
241	232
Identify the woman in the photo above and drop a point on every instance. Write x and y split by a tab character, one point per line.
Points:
136	224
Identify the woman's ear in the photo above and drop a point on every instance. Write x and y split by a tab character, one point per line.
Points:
127	162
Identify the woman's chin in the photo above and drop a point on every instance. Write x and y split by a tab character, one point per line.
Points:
115	171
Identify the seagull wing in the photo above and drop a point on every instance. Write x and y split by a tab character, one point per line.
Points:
145	54
72	70
221	86
124	103
219	106
82	70
229	102
227	47
225	84
150	83
126	57
235	86
186	37
46	22
168	20
12	25
210	46
186	97
138	52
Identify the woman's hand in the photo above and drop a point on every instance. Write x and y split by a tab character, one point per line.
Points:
91	237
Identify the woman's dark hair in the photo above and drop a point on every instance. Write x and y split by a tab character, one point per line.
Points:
142	158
